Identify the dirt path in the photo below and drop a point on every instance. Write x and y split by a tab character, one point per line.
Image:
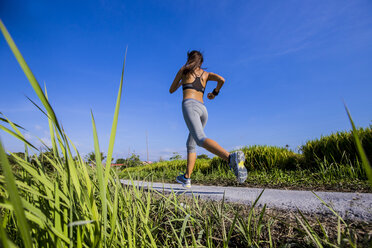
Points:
356	206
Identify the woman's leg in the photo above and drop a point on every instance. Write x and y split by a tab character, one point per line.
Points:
191	158
209	144
199	118
213	147
191	155
196	116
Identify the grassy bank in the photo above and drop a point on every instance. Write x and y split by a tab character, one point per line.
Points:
329	163
327	176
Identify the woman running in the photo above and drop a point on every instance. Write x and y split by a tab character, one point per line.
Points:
193	80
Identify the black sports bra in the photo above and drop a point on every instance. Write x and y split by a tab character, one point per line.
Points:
196	85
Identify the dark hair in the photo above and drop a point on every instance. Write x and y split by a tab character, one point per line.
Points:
194	61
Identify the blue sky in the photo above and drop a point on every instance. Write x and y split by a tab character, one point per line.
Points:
288	66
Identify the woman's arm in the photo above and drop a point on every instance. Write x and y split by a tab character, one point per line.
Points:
176	82
215	77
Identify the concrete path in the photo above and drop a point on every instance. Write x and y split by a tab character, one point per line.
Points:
357	206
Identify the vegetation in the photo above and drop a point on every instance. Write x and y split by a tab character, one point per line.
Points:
271	157
91	157
19	154
339	178
133	161
267	166
202	156
175	156
329	163
83	206
338	148
120	161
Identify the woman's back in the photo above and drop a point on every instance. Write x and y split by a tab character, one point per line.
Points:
194	83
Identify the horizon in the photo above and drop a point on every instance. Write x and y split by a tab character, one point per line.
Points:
288	68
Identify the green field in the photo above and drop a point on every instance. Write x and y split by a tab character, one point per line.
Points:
276	167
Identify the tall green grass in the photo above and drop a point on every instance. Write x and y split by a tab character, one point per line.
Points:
71	192
80	206
338	148
267	166
363	155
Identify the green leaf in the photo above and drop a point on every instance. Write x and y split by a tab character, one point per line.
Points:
20	137
7	121
31	78
15	199
51	130
362	154
115	121
100	177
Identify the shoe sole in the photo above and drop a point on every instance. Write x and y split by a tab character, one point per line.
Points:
183	184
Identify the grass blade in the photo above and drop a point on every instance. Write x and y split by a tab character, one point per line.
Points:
51	130
329	207
15	199
7	121
115	210
184	225
17	136
232	228
100	177
311	233
362	154
3	238
31	78
115	121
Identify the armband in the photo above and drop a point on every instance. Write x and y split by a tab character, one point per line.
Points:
215	93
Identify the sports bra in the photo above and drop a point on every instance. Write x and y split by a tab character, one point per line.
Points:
196	85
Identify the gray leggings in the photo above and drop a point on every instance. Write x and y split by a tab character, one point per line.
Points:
196	116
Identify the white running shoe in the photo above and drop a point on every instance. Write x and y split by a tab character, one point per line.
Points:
186	182
236	163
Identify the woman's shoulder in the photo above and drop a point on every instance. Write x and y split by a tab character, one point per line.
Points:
201	72
204	73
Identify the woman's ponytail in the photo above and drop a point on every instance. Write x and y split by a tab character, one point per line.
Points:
194	61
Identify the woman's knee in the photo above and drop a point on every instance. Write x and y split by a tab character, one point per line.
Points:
200	141
191	149
191	146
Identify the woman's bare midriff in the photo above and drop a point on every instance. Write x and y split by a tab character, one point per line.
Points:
190	93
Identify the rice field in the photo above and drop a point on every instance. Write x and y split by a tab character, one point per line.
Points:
329	163
267	166
338	148
81	206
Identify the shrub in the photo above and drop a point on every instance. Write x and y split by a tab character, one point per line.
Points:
203	156
265	158
338	148
269	157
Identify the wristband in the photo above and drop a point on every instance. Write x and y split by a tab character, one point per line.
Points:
215	93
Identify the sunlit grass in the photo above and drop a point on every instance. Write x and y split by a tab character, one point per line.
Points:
81	206
326	176
318	167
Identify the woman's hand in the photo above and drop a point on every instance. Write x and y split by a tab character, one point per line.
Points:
210	96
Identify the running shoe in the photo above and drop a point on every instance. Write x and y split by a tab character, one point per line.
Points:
236	163
186	182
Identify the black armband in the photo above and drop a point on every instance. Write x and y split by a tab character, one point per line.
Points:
215	92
